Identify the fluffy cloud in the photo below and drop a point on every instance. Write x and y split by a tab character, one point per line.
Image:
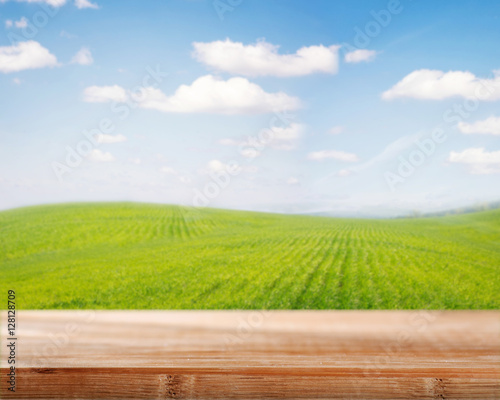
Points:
230	142
85	4
103	138
262	58
489	126
280	138
83	57
168	170
103	94
344	172
100	156
22	23
216	165
438	85
336	130
53	3
67	35
360	55
80	4
246	148
286	137
479	161
390	152
25	55
207	94
332	154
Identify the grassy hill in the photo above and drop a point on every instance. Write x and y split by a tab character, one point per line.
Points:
143	256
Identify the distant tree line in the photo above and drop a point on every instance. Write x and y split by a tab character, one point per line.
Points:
461	210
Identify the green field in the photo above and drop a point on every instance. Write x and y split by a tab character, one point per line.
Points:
143	256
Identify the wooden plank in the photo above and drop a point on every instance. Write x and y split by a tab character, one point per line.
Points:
256	354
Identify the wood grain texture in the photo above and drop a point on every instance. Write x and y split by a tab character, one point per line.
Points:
254	355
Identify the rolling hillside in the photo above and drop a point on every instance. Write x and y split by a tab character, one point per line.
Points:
143	256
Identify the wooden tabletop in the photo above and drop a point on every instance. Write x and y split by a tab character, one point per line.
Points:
254	355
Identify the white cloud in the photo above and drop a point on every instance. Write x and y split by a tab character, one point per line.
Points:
207	94
83	57
286	137
292	181
262	58
247	149
103	94
489	126
25	55
250	152
439	85
185	179
215	166
100	156
103	138
67	35
85	4
280	138
53	3
136	161
336	130
479	161
332	154
230	142
22	23
389	153
344	172
357	56
168	170
17	81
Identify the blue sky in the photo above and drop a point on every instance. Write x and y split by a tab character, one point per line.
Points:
347	107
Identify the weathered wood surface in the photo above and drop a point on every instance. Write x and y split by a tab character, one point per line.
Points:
254	355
